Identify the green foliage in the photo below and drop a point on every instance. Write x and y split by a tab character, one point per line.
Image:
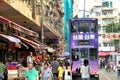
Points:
113	27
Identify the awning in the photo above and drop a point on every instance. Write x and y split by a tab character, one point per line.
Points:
30	42
19	27
10	38
104	54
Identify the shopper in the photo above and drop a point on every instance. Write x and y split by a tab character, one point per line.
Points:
118	71
6	74
67	73
2	70
47	74
60	72
31	73
55	65
85	70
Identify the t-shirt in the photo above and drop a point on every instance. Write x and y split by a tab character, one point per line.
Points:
46	74
60	70
85	71
67	75
31	75
55	66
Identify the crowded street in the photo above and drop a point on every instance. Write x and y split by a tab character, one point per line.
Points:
59	39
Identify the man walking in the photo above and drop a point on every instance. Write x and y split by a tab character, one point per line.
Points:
47	73
55	66
2	69
31	73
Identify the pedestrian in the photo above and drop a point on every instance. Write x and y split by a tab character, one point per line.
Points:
30	58
85	70
6	74
118	70
47	74
60	72
67	73
55	65
2	70
31	73
108	67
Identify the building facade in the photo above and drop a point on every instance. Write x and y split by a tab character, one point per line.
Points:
105	14
33	21
33	14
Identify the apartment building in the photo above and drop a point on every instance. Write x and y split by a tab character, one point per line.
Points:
33	14
105	14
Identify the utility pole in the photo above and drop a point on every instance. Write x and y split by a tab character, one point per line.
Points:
42	19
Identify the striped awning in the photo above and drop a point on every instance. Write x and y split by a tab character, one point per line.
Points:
10	38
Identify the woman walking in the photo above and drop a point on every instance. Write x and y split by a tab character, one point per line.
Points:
60	72
85	70
67	73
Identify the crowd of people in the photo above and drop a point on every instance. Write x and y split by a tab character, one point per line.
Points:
54	70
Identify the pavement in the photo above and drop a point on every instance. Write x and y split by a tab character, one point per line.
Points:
104	75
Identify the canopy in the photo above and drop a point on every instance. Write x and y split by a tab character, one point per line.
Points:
30	42
10	38
104	54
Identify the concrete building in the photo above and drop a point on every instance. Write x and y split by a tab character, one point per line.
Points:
105	14
33	14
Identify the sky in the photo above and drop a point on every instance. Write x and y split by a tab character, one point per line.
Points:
89	4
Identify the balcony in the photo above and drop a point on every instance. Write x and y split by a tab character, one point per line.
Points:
107	16
108	8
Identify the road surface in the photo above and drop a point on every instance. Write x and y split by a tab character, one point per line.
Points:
104	75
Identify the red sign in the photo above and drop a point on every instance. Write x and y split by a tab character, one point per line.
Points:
113	36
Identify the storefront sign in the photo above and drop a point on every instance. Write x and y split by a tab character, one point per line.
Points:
112	36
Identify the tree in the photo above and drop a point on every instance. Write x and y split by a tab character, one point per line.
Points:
113	27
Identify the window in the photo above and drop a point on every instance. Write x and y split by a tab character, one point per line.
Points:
103	36
99	44
105	44
3	27
110	44
93	54
104	12
111	5
105	4
83	27
73	27
83	54
97	14
93	27
75	54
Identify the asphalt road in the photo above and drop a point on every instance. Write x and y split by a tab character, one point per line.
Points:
104	75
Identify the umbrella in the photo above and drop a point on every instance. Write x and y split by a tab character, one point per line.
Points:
65	54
